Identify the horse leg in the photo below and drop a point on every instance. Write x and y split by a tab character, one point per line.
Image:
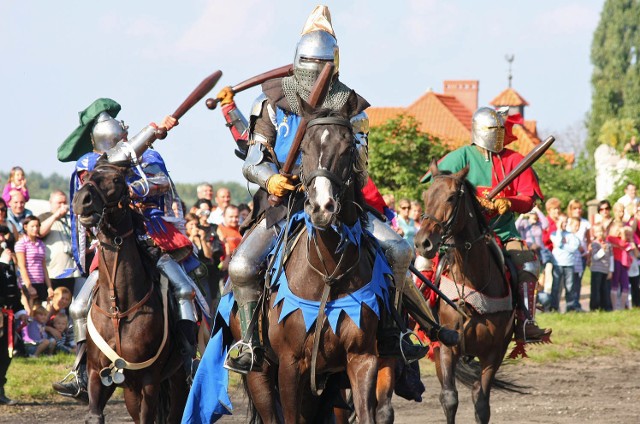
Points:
179	391
262	394
290	388
481	391
98	397
362	370
446	374
150	393
384	389
132	400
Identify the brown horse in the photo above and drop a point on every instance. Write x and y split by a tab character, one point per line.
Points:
455	226
128	311
323	268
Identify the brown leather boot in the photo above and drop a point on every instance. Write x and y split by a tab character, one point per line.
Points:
529	332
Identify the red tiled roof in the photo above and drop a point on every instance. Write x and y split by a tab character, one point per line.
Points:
509	97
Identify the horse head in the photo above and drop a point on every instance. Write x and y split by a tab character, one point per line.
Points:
104	193
328	152
446	209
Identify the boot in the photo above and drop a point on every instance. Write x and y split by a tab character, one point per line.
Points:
4	400
75	383
419	310
393	342
187	340
526	328
250	352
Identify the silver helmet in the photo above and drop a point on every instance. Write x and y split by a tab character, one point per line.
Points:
317	46
107	132
487	129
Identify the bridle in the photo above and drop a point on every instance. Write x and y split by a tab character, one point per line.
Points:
341	182
108	207
447	226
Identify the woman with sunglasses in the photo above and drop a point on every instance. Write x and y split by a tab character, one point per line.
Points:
603	217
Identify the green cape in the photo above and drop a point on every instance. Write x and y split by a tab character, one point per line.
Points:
79	142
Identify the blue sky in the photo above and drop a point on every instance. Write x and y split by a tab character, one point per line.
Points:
57	57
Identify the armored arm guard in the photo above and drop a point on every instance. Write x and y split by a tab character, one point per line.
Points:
360	124
157	183
132	150
238	126
258	166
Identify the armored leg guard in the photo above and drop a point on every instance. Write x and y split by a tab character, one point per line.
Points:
527	330
187	339
250	353
182	287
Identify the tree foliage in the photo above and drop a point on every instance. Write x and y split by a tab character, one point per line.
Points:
617	132
616	71
399	155
558	180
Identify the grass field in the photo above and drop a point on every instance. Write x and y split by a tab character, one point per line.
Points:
574	335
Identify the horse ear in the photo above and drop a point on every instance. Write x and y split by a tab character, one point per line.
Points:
433	167
305	107
350	106
462	174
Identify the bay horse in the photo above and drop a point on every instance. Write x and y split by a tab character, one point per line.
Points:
454	225
329	262
128	311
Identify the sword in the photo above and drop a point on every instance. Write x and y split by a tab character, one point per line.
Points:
525	163
280	72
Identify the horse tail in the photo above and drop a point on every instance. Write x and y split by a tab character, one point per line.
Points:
469	371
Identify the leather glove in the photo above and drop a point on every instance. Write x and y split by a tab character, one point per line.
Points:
502	206
486	204
225	96
279	185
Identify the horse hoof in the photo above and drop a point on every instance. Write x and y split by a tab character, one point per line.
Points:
94	419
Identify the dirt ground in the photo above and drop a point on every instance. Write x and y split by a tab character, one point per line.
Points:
599	390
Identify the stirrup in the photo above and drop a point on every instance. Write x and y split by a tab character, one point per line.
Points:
240	346
421	345
544	338
73	375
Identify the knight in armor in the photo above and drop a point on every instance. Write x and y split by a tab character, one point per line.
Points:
489	162
265	142
161	237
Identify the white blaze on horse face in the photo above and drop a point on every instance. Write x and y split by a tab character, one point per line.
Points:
324	193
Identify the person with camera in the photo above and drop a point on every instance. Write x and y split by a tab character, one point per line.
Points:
55	232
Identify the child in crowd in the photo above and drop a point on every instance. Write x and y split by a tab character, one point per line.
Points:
65	342
573	225
602	266
622	261
17	181
565	249
34	333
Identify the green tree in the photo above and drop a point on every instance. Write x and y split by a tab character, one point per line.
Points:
616	74
557	180
399	155
617	132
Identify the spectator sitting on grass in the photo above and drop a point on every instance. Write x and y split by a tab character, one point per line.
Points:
34	334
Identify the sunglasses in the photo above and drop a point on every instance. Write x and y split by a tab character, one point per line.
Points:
405	207
605	209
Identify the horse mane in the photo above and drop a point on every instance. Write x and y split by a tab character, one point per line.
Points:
477	208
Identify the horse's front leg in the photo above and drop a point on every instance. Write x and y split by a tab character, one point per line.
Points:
149	404
384	389
290	388
446	369
362	369
262	392
98	397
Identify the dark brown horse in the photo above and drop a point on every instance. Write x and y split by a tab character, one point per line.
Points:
455	226
128	310
322	268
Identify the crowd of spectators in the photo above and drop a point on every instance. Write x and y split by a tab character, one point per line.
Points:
38	275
